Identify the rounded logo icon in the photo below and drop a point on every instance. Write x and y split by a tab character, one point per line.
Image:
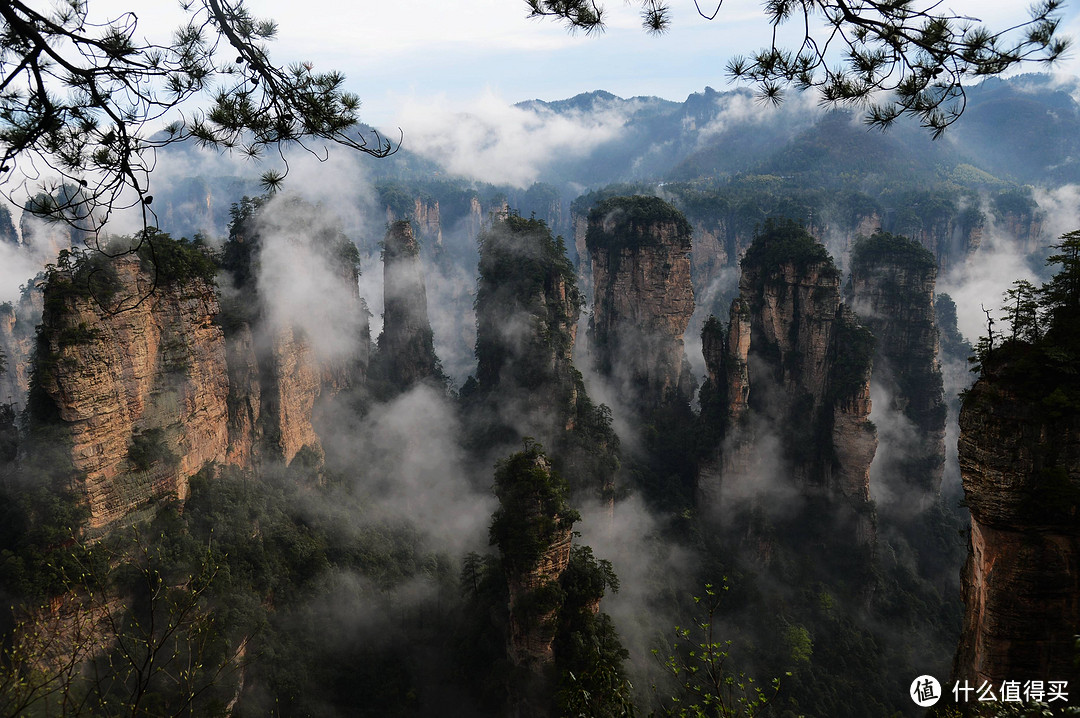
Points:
925	691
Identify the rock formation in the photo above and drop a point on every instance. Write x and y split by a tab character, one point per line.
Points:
793	365
279	374
892	290
639	248
406	346
809	359
554	591
526	384
140	394
1020	463
533	529
17	324
423	215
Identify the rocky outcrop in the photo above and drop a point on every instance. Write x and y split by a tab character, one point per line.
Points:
279	372
18	321
291	384
794	369
639	248
406	346
140	394
892	290
533	529
526	385
1020	464
809	360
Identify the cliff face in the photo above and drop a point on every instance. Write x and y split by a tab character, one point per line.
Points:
639	248
18	322
406	345
140	393
284	362
893	294
1021	473
796	365
526	311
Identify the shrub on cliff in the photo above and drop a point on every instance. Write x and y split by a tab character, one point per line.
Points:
629	222
780	242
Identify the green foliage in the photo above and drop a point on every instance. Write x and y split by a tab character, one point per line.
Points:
885	248
79	274
151	447
798	640
707	686
533	511
520	266
1038	362
119	83
175	261
780	242
629	222
853	360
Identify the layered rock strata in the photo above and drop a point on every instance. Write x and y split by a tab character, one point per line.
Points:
140	393
526	385
639	248
793	373
1020	464
809	361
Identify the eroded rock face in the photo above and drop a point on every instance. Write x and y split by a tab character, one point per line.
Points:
533	529
796	375
1021	583
640	253
809	362
141	394
892	280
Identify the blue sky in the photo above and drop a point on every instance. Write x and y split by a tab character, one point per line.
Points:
411	50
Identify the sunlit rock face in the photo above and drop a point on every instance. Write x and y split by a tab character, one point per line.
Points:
639	249
892	291
1020	466
140	394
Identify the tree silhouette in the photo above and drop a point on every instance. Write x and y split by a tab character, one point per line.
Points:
93	102
890	57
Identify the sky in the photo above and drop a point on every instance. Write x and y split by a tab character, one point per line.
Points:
396	54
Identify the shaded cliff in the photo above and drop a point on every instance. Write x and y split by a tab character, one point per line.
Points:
809	361
406	350
1019	452
1020	463
892	290
18	321
287	354
639	248
565	656
138	395
527	307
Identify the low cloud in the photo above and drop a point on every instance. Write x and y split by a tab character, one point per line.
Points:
496	142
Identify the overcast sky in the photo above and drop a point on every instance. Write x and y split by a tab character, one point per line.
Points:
405	51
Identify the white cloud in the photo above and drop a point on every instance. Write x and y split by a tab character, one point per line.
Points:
491	140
